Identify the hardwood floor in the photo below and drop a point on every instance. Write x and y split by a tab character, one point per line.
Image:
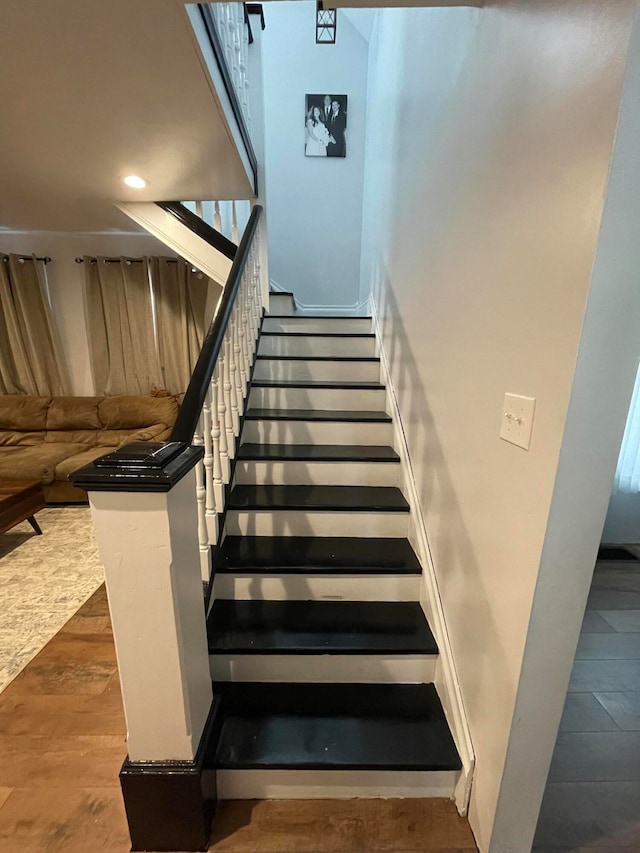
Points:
592	798
62	742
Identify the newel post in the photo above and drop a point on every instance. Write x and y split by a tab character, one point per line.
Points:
143	504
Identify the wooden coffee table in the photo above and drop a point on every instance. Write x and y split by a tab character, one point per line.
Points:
20	501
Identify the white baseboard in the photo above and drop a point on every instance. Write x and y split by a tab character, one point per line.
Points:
356	309
333	784
446	681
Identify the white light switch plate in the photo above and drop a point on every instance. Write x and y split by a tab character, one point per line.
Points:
517	419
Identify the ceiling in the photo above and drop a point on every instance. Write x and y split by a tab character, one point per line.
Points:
95	90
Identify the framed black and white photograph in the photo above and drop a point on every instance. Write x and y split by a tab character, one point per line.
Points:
325	126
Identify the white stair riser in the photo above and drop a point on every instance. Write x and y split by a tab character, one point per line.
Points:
334	784
318	473
271	586
313	523
337	325
309	345
281	303
327	669
317	371
317	432
353	399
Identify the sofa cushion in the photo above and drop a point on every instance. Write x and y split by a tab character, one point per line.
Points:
34	463
18	412
157	432
113	437
72	436
67	467
136	412
71	413
12	438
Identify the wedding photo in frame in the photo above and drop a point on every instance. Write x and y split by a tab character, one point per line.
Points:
325	126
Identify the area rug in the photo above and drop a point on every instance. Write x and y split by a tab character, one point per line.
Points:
43	581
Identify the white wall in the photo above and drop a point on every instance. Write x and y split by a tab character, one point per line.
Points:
314	205
622	524
66	282
484	190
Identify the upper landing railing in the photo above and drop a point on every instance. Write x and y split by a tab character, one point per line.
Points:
229	33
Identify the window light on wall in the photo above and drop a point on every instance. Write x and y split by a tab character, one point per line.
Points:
326	21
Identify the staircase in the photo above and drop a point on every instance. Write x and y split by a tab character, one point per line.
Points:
322	658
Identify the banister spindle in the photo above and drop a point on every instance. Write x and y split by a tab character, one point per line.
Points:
218	378
237	375
256	301
217	219
242	375
216	435
210	500
203	538
229	394
246	327
234	224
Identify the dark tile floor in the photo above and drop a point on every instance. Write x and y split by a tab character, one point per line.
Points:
592	800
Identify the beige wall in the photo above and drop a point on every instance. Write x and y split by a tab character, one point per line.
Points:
489	139
66	282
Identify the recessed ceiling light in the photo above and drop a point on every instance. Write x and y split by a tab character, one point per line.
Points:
135	181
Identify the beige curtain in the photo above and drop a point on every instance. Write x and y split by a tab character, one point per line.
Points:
31	357
180	296
121	329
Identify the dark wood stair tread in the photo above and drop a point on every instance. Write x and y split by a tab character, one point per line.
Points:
317	415
323	498
318	452
354	385
319	627
317	316
330	726
349	358
317	334
316	554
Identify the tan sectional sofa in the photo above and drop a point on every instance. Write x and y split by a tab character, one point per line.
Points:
48	438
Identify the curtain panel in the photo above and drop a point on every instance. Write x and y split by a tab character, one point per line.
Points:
32	360
121	329
146	322
180	297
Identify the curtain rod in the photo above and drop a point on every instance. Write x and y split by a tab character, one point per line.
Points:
45	260
127	260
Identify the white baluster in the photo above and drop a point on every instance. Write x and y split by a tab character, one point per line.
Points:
210	500
245	327
223	416
234	224
199	209
247	103
233	421
237	375
217	219
257	302
203	538
242	349
216	433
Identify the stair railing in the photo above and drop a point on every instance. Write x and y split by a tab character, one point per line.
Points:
215	400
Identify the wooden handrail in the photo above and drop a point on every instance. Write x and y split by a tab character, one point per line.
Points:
194	398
